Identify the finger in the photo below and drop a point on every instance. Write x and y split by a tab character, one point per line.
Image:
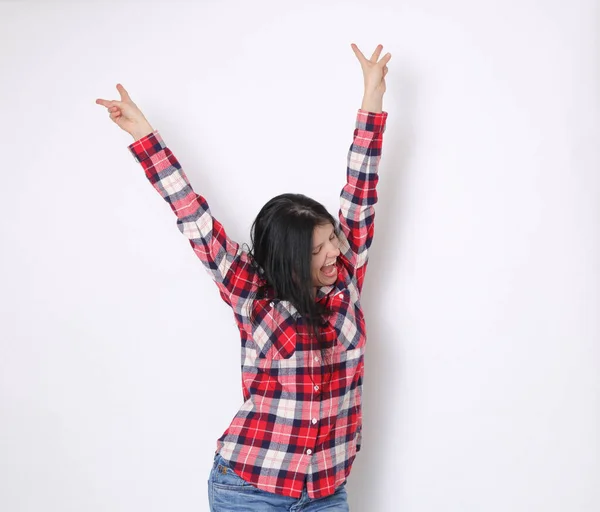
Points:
104	103
124	94
358	53
385	70
386	58
376	53
109	103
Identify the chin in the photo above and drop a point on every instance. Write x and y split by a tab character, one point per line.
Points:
331	280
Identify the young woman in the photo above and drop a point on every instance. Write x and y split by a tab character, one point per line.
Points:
295	296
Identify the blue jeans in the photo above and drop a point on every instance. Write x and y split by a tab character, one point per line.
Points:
227	492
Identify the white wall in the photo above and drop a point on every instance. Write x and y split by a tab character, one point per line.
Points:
119	364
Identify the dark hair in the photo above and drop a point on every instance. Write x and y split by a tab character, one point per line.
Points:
281	238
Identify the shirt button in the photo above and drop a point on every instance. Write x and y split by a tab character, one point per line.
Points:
271	304
309	451
341	296
317	359
314	420
316	388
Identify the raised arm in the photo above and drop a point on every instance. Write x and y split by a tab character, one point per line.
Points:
222	257
359	195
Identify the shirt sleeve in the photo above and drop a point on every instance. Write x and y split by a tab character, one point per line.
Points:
359	195
223	258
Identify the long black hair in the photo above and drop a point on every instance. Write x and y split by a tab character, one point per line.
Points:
282	238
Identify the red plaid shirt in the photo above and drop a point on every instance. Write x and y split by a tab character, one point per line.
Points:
300	422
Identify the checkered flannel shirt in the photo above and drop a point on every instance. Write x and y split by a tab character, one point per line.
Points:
300	421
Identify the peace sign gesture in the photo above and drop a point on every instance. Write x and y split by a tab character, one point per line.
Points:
126	114
374	71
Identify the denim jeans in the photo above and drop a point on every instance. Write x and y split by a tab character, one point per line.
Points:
227	492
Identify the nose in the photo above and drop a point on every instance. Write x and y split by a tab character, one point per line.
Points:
335	248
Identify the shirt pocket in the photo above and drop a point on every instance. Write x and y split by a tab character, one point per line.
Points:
348	321
274	330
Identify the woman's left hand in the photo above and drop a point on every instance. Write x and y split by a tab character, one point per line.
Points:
374	71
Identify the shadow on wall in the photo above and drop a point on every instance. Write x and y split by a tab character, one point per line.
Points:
381	443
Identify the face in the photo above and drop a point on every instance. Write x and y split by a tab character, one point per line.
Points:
324	256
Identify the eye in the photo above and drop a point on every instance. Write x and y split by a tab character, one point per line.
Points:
332	237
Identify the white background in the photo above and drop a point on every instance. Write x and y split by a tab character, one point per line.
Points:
119	363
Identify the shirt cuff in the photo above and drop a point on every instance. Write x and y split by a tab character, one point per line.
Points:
147	146
371	121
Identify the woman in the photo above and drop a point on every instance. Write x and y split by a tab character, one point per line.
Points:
296	300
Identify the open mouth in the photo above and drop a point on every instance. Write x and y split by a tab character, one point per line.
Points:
329	270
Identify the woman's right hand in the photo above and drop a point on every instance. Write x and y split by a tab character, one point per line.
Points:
127	115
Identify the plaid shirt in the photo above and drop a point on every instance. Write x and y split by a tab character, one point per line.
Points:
300	422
